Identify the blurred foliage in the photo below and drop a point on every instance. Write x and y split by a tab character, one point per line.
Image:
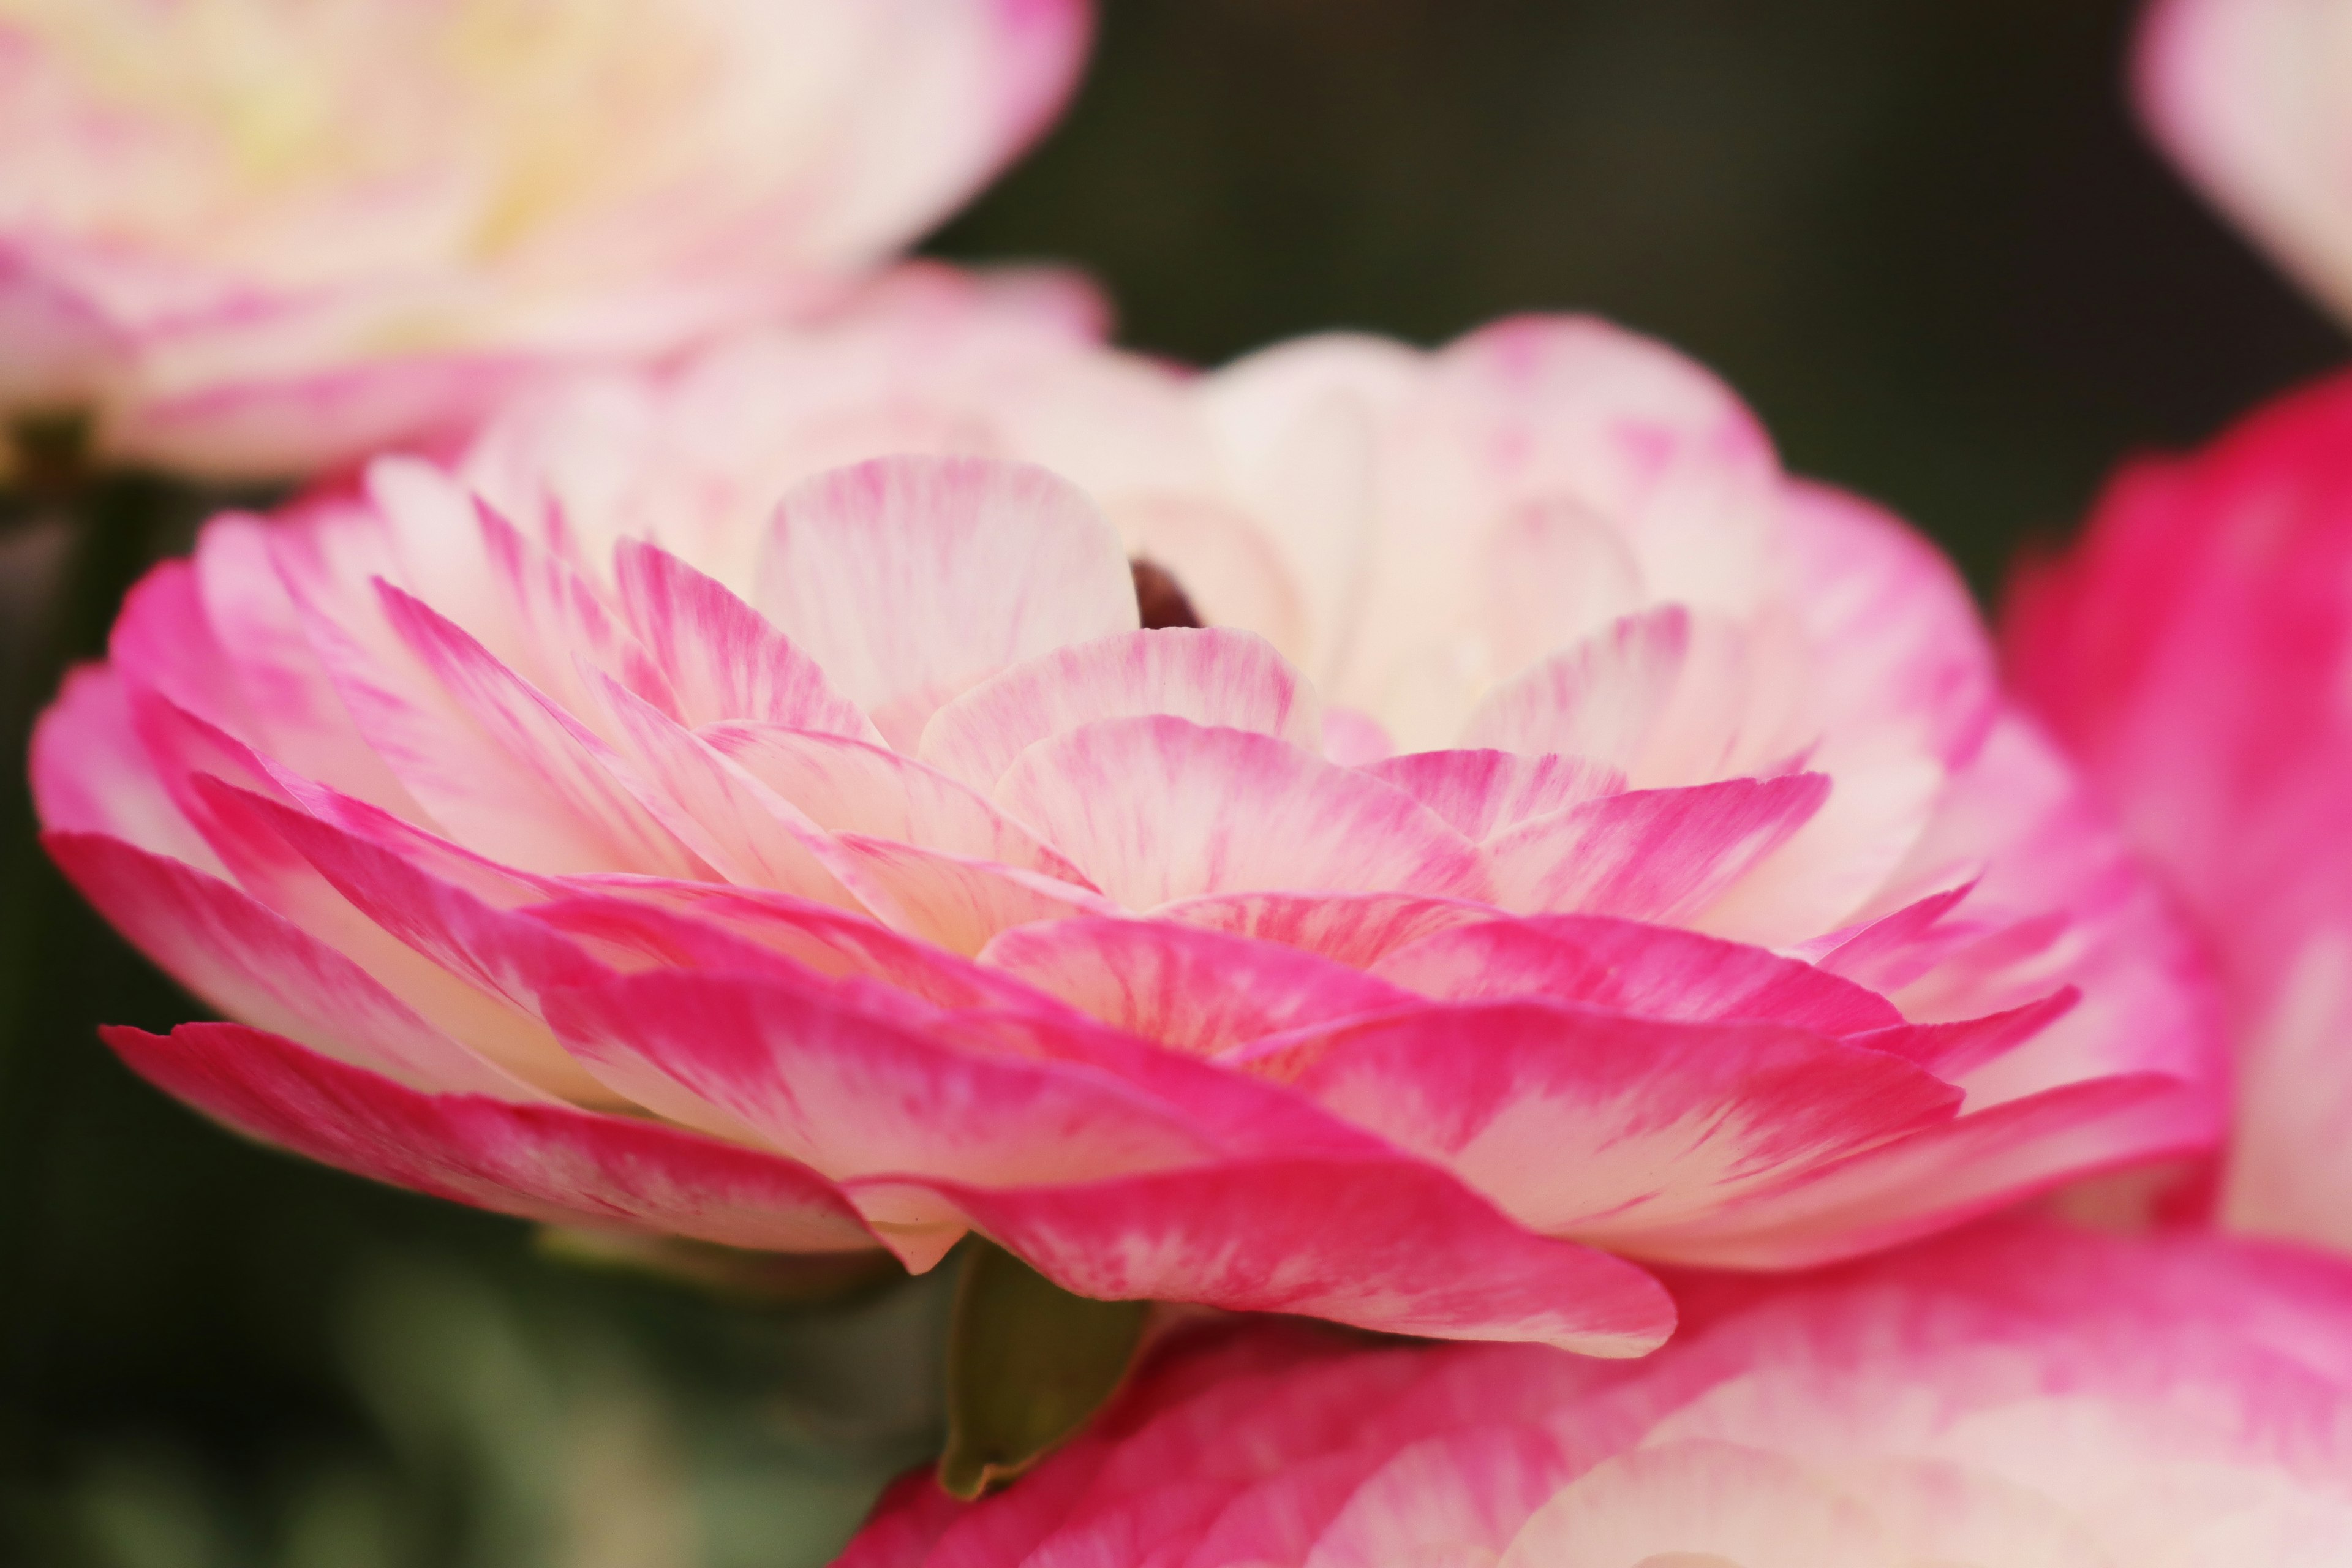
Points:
1924	240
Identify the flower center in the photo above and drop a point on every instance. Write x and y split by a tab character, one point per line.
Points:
1160	599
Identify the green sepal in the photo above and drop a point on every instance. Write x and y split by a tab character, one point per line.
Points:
1028	1365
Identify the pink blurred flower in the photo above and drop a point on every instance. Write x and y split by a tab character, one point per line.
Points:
262	237
2193	650
2253	100
624	846
2016	1398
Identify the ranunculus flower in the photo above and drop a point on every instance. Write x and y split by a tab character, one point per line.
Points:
260	237
2194	650
2253	100
622	844
2029	1399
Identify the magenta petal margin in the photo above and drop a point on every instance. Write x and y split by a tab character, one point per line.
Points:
742	803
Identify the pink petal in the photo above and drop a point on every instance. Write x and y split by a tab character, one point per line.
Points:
1657	855
1154	809
1483	793
1188	988
1656	971
855	1082
1910	651
302	720
849	786
1353	928
1555	571
723	659
552	755
540	1161
668	924
565	626
263	837
1954	1050
1385	1244
1597	1124
911	580
163	641
731	821
474	785
1987	1159
1225	679
1601	699
91	773
244	960
957	901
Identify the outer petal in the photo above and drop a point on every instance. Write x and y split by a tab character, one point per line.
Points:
1383	1244
541	1161
1597	1124
91	773
912	579
245	960
1156	808
855	1082
1967	1167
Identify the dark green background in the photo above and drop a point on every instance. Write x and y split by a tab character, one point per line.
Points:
1923	238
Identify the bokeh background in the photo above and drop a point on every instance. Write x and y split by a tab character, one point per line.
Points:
1925	241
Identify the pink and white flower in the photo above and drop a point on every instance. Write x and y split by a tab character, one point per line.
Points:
672	821
2193	651
2028	1399
260	238
2253	100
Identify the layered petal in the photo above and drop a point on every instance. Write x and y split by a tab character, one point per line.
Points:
2020	1396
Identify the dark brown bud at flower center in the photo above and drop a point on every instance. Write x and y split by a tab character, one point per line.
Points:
1158	597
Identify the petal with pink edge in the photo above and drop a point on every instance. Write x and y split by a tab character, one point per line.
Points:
849	786
1190	989
1225	679
1154	809
853	1080
1353	928
1483	793
731	821
1384	1244
560	760
538	1162
1658	972
303	721
1600	698
1597	1124
910	580
1657	855
359	899
91	773
1985	1160
957	901
723	659
245	960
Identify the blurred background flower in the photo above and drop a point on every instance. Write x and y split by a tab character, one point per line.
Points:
1927	243
259	237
